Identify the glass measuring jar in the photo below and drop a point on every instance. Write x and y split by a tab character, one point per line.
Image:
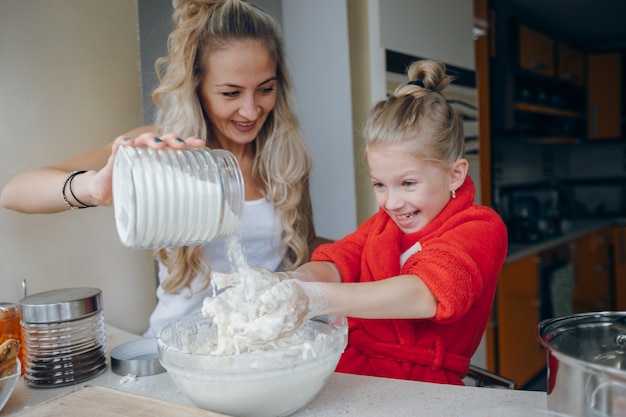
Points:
64	336
167	198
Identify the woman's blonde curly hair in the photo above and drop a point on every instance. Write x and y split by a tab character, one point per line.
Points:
282	163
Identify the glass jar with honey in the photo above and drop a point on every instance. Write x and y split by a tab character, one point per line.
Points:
10	327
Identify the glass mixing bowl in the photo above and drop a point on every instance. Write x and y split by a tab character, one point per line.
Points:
268	383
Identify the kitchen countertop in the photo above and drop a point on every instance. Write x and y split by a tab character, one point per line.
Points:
575	229
343	394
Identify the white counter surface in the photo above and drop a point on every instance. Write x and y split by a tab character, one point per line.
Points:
343	395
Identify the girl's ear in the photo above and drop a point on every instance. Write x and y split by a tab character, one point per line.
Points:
458	173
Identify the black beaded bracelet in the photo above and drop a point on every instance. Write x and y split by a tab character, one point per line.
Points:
68	181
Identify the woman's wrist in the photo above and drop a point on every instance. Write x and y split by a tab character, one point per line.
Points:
75	192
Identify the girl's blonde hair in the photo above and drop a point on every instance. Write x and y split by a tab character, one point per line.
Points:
418	115
282	162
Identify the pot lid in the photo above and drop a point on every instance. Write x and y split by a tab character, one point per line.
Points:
597	338
139	358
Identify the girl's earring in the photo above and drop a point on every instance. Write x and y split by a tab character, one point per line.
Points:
453	192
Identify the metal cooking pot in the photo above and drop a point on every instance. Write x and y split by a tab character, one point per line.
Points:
586	363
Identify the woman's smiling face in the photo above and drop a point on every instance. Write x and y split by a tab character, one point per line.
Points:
238	91
413	192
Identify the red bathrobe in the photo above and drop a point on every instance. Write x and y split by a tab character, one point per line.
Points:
458	255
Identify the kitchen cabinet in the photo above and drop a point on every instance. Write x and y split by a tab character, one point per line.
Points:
536	51
570	64
592	258
519	356
604	100
619	267
549	96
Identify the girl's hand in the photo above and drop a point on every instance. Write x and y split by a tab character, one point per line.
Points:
101	184
283	309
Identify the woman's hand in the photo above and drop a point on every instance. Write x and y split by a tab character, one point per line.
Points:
100	185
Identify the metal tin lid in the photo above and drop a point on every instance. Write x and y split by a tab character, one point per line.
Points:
60	305
139	358
8	311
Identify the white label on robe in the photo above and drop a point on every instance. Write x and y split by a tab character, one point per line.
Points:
410	251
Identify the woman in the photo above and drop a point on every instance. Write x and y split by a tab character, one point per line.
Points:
224	84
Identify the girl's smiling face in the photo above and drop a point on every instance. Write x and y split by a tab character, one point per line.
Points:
412	191
238	91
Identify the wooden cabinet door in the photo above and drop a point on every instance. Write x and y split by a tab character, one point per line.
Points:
520	356
604	101
619	267
591	257
570	64
536	51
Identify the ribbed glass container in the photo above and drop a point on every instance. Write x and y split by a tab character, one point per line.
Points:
64	337
168	198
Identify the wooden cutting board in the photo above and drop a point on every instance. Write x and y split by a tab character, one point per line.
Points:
95	401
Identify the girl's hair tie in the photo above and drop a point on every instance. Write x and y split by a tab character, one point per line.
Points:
420	83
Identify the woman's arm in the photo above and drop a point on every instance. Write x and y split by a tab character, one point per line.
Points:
39	190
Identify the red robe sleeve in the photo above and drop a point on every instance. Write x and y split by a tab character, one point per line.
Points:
469	248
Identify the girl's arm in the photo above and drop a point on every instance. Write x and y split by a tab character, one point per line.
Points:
293	301
400	297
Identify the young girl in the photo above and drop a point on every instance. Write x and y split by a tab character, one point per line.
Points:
417	279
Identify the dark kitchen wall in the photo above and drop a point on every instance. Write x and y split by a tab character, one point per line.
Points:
603	167
589	175
541	146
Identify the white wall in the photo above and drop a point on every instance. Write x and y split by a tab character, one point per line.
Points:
439	30
69	82
316	41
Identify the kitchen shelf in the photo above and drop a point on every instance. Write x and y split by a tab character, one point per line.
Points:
555	140
552	111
